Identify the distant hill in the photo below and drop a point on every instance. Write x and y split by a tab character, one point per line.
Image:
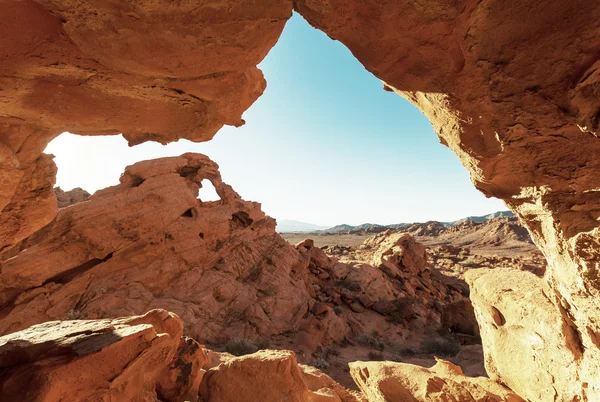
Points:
290	226
483	218
426	227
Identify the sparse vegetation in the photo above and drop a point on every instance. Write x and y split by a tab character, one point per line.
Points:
73	314
240	347
370	340
321	364
330	351
375	356
447	346
263	344
407	352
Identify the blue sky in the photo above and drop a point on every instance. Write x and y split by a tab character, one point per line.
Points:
325	144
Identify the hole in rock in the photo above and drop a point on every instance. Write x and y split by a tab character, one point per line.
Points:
190	213
208	192
498	317
241	219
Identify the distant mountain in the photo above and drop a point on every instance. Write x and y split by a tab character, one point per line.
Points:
340	228
484	218
289	226
426	227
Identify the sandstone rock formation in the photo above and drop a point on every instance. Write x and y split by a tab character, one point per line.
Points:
150	243
512	87
397	285
268	376
517	100
145	358
531	345
150	70
118	359
391	382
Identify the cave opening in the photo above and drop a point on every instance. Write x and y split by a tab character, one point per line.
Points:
324	145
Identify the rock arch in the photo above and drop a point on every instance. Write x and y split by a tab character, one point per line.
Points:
512	87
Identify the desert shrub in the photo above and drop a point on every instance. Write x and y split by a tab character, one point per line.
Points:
375	356
321	364
350	285
240	347
330	351
263	344
73	314
403	310
447	346
371	341
407	352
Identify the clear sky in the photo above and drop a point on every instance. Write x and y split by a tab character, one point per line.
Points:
325	144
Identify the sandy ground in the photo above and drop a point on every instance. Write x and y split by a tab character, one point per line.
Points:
321	239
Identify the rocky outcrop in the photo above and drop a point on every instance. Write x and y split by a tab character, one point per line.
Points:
149	242
119	359
149	70
66	198
531	344
268	376
397	285
145	358
390	382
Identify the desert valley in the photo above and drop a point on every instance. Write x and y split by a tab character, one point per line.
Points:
145	290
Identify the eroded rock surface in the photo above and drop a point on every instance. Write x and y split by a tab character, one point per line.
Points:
149	242
152	70
516	98
512	87
531	344
391	382
97	360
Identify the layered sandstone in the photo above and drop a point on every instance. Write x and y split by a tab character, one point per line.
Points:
145	358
